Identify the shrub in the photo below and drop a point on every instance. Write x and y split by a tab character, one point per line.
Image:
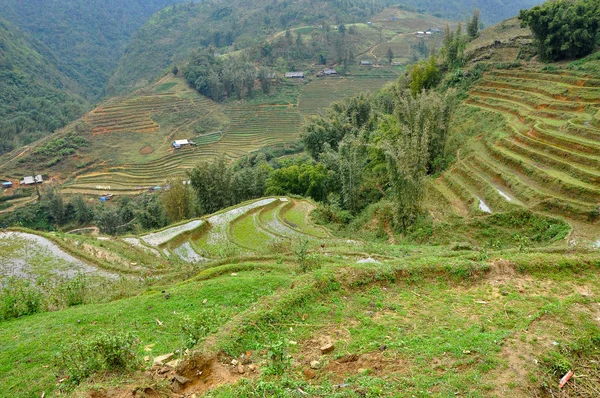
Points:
109	351
193	330
18	298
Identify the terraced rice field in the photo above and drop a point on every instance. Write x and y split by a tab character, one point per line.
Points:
547	156
265	226
135	114
316	96
255	126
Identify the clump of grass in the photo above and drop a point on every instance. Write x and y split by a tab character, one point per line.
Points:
18	298
108	351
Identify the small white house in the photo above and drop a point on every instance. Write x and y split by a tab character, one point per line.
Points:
179	143
294	75
30	180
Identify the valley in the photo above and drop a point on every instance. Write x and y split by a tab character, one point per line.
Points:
300	199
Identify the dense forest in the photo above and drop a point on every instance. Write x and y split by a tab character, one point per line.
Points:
492	11
86	37
175	32
35	97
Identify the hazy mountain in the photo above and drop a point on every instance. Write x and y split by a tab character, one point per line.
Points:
88	36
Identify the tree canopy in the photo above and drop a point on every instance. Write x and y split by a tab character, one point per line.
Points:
563	29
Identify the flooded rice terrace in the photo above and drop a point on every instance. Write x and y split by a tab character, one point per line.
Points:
30	256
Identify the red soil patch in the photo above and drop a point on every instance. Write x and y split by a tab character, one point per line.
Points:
147	150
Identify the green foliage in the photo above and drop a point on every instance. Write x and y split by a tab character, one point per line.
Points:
424	76
82	39
178	201
18	297
63	146
107	351
563	28
278	360
473	25
194	329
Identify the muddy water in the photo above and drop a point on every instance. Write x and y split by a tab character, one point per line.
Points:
31	256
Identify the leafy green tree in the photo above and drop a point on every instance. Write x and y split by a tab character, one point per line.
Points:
473	25
408	139
53	201
151	213
83	212
178	201
563	28
423	76
108	220
212	184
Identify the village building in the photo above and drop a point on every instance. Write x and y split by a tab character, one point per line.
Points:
7	184
329	72
30	180
366	63
181	143
295	75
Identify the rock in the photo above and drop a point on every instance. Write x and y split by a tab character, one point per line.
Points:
181	379
327	348
204	301
147	358
382	347
162	359
368	260
240	369
252	367
315	364
234	362
309	373
174	363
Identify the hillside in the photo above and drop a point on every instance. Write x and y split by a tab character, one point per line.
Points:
260	323
173	33
535	131
36	98
128	139
492	11
86	38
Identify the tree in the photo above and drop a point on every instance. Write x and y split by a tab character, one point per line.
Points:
409	139
108	221
473	25
54	204
178	201
563	28
423	76
83	213
212	184
390	54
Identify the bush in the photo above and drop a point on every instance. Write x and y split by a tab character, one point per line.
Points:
563	28
18	298
193	330
109	351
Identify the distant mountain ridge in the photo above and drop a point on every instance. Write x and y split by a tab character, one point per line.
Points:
87	36
35	96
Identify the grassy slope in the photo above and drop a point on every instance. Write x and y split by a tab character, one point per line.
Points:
435	310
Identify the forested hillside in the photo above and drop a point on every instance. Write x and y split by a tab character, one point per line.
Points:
492	11
35	97
87	37
172	34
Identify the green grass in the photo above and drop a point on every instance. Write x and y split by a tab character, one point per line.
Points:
27	361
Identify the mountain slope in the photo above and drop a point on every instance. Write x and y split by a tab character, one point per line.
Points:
35	97
173	33
88	37
492	11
